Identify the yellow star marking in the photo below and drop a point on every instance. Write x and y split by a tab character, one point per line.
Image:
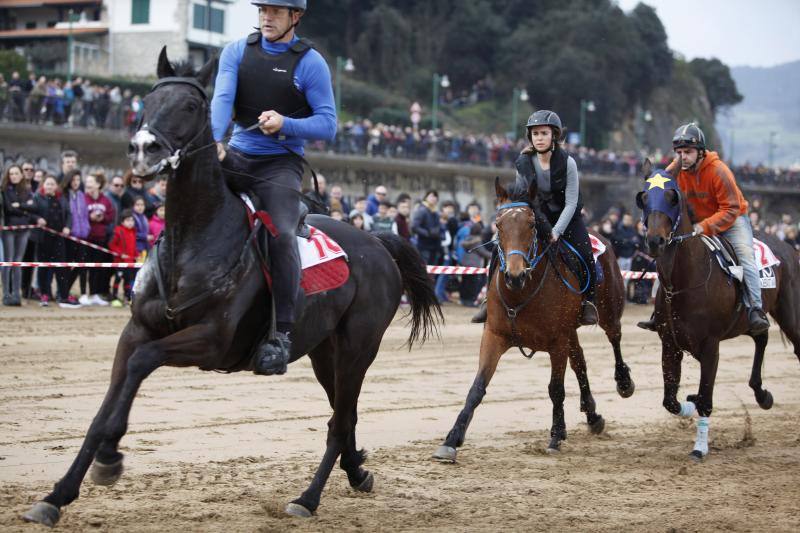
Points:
657	181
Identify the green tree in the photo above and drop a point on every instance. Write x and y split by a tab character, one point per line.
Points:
11	61
716	77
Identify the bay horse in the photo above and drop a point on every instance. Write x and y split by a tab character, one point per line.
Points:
206	261
530	305
697	304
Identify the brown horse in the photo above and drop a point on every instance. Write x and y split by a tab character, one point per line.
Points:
530	305
697	305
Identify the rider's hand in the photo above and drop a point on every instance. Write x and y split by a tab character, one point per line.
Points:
698	229
554	237
270	122
221	153
41	222
65	231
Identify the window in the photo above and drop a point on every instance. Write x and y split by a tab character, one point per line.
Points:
140	11
202	21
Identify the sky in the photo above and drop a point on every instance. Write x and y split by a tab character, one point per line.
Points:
737	32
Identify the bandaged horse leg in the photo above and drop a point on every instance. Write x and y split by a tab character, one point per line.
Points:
701	440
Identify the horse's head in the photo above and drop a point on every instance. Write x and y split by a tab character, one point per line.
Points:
516	230
662	206
175	117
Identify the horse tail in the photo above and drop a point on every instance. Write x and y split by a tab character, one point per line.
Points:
425	313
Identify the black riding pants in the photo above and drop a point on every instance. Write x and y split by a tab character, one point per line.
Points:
577	236
274	180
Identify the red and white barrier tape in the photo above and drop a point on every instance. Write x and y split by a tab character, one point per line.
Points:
626	274
70	237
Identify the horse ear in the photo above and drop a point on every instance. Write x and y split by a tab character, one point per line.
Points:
647	168
501	193
206	73
164	69
640	199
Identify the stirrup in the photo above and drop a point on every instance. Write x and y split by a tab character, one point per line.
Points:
272	356
587	305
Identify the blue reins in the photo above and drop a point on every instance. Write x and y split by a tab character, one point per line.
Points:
532	259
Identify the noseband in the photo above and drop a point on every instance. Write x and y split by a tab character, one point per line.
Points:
178	154
530	258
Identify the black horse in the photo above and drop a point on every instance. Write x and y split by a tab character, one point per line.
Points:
217	301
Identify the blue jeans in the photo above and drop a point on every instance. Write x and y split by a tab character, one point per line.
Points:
741	237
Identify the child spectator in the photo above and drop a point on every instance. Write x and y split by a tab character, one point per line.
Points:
156	223
101	214
337	214
72	189
124	242
382	221
142	228
357	221
361	209
53	207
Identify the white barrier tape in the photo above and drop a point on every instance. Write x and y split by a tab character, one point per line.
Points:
454	270
70	237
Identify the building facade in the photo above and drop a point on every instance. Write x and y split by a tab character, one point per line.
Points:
116	37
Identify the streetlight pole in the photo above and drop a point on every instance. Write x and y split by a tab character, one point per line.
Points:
520	95
772	136
586	105
342	65
70	65
438	81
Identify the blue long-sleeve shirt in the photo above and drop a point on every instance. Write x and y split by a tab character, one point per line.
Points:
311	76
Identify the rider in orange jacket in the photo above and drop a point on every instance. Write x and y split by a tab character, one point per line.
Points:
719	208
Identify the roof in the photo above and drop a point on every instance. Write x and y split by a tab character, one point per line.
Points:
50	32
41	3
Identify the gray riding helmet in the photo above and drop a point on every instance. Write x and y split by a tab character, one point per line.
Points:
292	4
689	135
545	117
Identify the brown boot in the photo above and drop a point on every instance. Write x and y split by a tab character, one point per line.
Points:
588	314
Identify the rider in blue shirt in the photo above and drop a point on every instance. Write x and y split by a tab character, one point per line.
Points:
277	80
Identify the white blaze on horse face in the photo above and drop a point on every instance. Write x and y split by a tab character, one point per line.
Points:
142	139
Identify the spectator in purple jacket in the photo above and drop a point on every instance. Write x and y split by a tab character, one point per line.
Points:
72	187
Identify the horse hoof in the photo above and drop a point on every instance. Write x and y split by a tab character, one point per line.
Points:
696	456
295	509
446	454
626	391
366	485
550	450
598	425
106	475
766	401
43	513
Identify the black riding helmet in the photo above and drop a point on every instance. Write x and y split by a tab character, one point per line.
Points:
545	117
689	136
293	5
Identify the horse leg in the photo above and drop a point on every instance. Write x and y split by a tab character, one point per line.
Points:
763	396
131	367
492	347
588	406
352	458
348	377
558	367
610	307
704	399
671	359
787	315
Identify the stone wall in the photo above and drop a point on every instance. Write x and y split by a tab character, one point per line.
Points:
136	54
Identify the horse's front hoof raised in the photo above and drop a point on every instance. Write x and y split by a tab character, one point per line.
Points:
766	400
597	426
696	456
446	454
106	475
367	484
43	513
295	509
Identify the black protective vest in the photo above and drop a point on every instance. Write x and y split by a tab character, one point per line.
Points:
558	181
266	82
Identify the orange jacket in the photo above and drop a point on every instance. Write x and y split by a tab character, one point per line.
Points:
713	194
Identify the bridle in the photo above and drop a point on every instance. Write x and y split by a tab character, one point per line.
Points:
530	257
178	155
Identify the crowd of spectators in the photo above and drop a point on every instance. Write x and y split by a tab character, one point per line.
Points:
39	100
116	213
123	214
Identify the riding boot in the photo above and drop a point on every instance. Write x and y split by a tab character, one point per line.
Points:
272	356
588	309
483	313
650	324
759	323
